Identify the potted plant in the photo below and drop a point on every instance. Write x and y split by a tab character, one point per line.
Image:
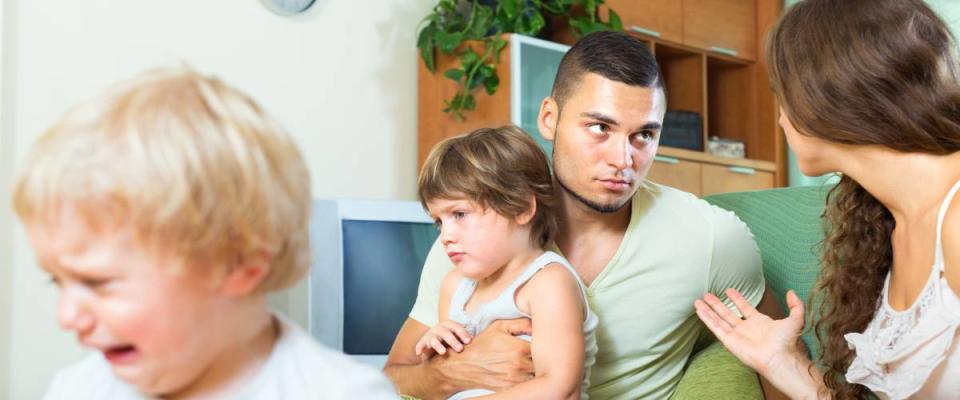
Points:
452	23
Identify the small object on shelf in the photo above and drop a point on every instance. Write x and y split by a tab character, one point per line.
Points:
682	129
724	147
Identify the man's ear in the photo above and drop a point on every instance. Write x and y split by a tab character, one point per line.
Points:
527	216
245	275
547	119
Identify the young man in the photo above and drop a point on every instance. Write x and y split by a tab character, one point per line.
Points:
646	251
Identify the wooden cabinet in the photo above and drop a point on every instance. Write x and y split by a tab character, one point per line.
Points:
727	27
723	178
723	26
674	172
703	174
659	18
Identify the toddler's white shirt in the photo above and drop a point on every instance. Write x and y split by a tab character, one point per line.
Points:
298	368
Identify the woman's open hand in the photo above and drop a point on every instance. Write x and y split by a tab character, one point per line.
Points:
757	340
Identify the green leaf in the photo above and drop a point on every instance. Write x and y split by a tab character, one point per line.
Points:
494	46
454	74
590	6
426	35
499	44
469	57
454	22
487	71
429	59
482	22
509	8
469	102
615	23
491	84
453	109
581	27
537	23
447	41
476	81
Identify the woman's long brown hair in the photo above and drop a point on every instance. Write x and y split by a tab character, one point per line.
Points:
862	72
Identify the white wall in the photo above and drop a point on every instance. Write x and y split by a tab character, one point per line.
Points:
341	78
6	223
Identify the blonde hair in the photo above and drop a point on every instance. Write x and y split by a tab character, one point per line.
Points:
188	162
497	168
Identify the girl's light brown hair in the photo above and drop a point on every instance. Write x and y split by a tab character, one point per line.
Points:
192	165
497	168
863	72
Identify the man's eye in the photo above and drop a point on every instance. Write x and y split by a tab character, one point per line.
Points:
598	129
459	214
645	136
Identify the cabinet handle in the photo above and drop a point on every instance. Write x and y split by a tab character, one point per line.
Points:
645	31
724	51
666	160
742	170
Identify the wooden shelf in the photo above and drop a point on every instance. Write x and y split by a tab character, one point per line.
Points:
684	75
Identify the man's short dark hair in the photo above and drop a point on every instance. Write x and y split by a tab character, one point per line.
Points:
616	56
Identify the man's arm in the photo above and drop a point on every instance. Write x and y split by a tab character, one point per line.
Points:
410	375
494	360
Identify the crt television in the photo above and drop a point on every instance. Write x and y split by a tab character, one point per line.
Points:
367	258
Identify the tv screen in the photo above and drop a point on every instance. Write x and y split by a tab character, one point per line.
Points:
381	270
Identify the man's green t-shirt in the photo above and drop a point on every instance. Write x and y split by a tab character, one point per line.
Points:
676	248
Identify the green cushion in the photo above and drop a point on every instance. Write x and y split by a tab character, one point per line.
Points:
714	373
787	227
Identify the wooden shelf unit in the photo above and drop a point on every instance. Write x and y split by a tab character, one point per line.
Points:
712	65
729	89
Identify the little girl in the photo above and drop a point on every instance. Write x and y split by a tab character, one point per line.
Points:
490	193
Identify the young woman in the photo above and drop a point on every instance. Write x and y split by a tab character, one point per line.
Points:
870	89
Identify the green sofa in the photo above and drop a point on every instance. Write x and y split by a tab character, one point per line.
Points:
787	227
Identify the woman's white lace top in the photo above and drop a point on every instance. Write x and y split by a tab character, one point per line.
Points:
913	353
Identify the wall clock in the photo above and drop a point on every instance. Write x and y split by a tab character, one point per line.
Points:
287	7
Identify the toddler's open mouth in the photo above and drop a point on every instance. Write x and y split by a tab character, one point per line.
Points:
121	354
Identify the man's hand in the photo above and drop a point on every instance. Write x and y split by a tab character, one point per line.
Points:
495	359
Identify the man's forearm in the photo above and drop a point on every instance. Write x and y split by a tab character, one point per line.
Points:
419	380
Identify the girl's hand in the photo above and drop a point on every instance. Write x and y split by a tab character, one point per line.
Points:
446	334
756	339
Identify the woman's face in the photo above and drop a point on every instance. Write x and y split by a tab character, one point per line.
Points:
813	153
